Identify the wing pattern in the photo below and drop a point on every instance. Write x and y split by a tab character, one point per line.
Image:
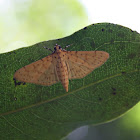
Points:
81	63
41	72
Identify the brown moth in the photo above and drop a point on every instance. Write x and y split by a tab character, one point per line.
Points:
61	66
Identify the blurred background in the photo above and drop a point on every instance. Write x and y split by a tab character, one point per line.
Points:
26	22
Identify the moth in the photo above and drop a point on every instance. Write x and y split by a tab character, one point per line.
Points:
61	66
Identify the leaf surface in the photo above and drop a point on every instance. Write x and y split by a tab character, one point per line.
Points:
29	111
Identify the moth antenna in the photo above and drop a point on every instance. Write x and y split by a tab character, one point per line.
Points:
68	46
48	49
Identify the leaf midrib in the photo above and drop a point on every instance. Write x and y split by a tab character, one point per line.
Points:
59	97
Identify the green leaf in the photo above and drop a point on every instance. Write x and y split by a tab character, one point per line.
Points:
29	111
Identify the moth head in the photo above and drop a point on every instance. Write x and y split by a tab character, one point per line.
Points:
57	48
